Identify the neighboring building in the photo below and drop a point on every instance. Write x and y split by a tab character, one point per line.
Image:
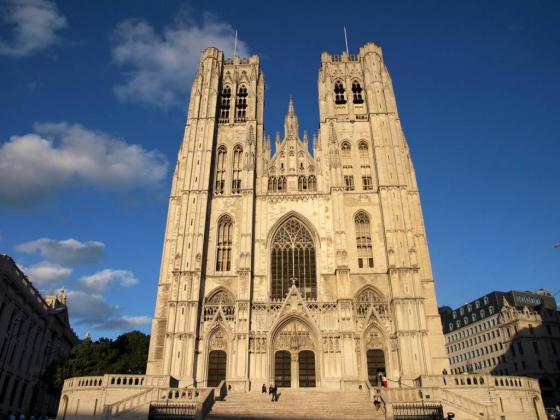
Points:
34	332
303	270
513	333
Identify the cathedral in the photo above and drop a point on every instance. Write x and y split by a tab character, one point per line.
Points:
304	263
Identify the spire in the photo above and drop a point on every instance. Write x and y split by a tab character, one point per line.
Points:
291	124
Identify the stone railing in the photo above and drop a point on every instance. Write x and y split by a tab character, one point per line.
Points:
128	404
140	381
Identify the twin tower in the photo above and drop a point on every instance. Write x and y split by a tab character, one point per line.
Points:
290	267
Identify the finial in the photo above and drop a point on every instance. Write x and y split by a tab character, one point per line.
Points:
278	137
291	105
305	136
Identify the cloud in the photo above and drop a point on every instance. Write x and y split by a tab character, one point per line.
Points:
47	275
159	66
37	165
102	280
34	26
93	310
67	251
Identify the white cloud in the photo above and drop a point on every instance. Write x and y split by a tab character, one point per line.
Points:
159	66
34	25
93	310
103	280
67	251
36	165
47	275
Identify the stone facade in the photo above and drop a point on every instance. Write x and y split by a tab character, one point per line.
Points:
350	211
34	332
307	270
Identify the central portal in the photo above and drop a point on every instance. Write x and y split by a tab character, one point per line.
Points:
294	357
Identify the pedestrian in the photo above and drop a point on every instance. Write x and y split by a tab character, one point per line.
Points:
273	393
444	372
384	381
263	389
270	389
377	399
379	378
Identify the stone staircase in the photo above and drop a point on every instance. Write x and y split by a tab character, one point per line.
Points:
296	404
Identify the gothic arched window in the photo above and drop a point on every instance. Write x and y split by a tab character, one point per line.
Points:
241	106
224	106
236	180
339	98
223	244
346	156
365	166
282	184
357	92
312	183
366	299
221	170
363	240
302	183
293	260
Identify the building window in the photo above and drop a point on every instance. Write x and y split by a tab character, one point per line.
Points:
221	170
312	183
293	260
363	240
225	104
348	183
536	347
276	184
223	251
236	181
302	183
491	309
357	92
241	106
520	348
339	98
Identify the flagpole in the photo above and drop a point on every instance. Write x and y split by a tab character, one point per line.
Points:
235	45
346	40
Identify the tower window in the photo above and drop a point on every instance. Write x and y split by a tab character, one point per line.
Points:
365	167
312	183
236	181
223	248
339	98
348	183
220	170
225	103
363	240
241	106
357	92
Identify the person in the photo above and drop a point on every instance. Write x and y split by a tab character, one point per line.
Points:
229	387
379	378
384	381
270	389
377	400
263	389
274	391
444	372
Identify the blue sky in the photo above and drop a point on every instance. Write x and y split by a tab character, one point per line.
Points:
92	108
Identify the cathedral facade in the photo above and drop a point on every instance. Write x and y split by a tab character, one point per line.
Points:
306	267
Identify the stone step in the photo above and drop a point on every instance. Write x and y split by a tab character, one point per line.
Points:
296	404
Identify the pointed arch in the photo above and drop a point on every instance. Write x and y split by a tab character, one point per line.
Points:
364	247
365	165
225	104
293	259
224	243
241	104
357	92
221	163
339	90
236	178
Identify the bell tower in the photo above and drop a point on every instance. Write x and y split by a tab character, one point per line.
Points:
214	177
357	101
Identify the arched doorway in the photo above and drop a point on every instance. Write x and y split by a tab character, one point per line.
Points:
217	361
306	369
283	369
294	356
375	365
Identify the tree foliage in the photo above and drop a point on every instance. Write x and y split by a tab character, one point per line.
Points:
128	353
